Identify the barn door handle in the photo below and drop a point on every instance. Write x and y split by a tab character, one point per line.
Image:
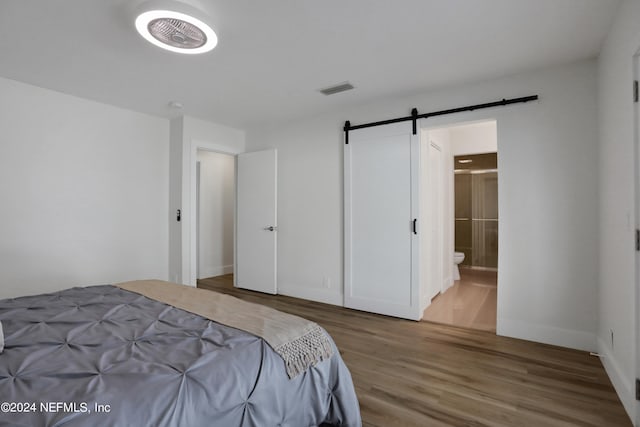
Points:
415	226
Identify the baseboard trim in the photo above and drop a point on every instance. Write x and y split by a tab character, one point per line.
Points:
621	383
215	271
326	296
578	340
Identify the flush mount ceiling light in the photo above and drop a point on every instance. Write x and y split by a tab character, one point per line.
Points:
176	31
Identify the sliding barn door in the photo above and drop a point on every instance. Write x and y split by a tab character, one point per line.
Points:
381	206
256	226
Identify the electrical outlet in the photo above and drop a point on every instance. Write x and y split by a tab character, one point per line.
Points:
326	282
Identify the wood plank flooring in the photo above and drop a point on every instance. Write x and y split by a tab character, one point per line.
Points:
425	374
471	302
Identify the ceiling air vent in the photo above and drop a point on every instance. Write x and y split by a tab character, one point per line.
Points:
340	87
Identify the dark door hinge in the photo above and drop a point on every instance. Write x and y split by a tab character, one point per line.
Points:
637	388
637	240
636	96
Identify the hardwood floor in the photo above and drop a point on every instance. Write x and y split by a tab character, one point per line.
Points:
471	302
425	374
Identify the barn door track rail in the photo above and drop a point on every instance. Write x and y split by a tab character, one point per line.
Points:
415	116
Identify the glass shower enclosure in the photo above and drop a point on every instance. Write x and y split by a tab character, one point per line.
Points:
476	209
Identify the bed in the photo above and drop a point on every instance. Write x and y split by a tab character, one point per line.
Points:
106	356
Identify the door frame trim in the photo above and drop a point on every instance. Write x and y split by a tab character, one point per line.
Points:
636	207
189	239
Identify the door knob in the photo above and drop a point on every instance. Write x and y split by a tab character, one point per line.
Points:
270	228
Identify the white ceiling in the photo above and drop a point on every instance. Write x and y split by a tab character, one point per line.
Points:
273	55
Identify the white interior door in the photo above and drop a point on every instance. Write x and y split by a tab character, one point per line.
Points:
256	225
381	248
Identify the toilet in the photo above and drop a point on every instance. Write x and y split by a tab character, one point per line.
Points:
458	257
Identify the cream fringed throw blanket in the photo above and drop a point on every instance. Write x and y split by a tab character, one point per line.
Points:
300	342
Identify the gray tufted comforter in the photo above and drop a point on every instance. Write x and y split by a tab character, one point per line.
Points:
103	356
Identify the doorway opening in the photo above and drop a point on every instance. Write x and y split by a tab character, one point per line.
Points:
459	211
215	213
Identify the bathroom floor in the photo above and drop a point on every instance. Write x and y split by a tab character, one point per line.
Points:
471	302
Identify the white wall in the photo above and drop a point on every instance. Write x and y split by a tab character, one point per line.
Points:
189	134
548	243
617	296
310	208
84	192
216	218
474	138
